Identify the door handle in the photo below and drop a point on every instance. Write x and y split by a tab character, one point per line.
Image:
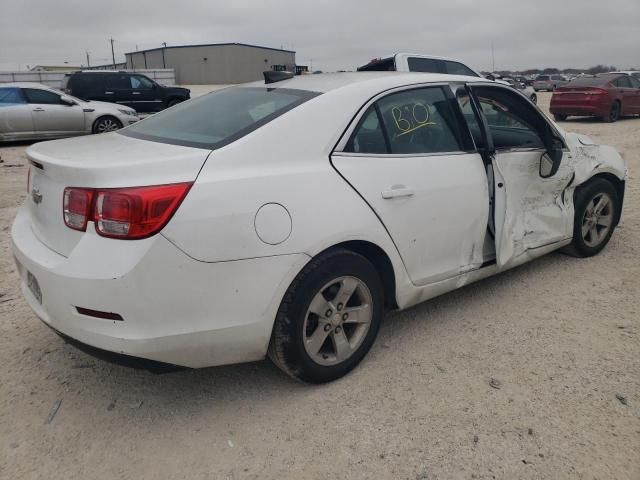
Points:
38	109
398	191
108	93
135	93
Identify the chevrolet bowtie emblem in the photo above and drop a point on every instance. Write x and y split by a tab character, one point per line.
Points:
36	195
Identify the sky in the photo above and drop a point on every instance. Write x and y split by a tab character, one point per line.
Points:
330	34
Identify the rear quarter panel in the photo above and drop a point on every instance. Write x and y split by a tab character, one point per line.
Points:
284	162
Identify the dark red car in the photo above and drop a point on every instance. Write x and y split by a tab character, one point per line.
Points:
607	96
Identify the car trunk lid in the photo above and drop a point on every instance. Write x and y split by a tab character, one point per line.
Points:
100	161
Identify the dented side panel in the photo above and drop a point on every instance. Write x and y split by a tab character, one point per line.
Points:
531	211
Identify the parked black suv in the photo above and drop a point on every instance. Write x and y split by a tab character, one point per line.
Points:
131	89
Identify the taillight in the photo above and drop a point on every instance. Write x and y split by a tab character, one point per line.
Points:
76	207
138	212
128	213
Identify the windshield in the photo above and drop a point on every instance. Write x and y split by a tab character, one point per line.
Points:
218	118
543	77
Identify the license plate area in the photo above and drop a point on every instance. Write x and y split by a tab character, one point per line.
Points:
34	287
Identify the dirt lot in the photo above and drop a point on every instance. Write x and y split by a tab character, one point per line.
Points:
560	335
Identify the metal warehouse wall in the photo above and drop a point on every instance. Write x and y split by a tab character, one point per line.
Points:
221	64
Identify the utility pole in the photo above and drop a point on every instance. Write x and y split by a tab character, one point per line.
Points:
493	59
113	55
164	63
88	62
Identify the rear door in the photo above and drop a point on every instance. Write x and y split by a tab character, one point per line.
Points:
411	159
51	116
530	212
629	95
15	114
635	85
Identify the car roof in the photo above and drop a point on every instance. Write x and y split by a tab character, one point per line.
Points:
326	82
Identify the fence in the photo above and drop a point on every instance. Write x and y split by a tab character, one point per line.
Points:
163	76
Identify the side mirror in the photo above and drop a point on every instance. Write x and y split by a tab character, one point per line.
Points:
67	101
550	160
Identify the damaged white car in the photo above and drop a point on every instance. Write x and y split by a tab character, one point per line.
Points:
283	219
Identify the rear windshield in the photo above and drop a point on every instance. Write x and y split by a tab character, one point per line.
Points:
219	118
543	77
588	81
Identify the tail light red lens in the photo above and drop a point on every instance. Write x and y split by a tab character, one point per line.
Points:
76	207
137	212
127	213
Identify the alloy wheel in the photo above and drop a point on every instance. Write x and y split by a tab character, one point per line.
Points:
337	320
107	125
597	219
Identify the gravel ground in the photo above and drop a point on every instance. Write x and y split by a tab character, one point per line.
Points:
532	374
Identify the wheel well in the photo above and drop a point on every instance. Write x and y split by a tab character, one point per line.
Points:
382	264
618	185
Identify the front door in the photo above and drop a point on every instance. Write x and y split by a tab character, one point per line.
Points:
51	116
412	161
135	91
529	211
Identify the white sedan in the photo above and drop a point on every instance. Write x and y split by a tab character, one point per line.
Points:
283	219
31	111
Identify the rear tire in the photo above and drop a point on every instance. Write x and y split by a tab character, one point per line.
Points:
559	117
614	113
310	346
597	209
106	124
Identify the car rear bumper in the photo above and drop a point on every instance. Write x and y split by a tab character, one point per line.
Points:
174	309
578	110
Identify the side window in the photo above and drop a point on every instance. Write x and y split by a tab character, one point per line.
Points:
118	82
140	83
35	95
368	137
426	65
622	82
635	83
457	68
10	96
421	121
510	122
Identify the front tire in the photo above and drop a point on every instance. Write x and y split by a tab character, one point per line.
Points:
106	124
534	98
173	101
329	317
597	209
559	117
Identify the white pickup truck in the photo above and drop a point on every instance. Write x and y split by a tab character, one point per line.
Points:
416	62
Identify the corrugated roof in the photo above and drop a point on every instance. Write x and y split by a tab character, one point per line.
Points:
211	45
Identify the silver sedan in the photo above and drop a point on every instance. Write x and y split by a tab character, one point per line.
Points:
31	111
